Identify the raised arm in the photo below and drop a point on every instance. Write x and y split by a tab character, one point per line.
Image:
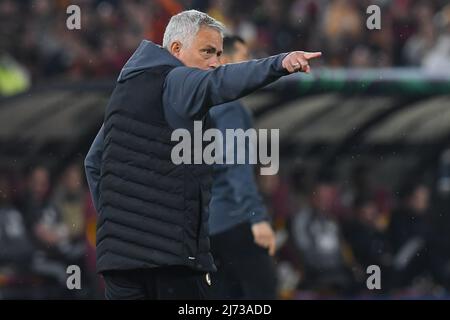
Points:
191	92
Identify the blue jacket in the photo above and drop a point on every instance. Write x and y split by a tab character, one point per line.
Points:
235	198
188	93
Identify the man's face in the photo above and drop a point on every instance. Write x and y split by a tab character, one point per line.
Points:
420	199
204	51
39	182
323	197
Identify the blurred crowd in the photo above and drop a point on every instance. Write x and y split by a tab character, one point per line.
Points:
46	225
329	231
35	44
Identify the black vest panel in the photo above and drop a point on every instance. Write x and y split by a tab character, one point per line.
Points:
153	213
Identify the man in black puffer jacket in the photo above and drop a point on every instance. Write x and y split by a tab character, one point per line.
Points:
152	230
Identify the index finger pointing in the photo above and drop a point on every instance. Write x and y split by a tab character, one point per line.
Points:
312	55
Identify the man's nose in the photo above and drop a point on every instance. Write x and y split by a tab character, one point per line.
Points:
214	63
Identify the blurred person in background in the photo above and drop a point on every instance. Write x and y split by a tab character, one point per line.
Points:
341	30
411	236
288	260
299	184
437	58
402	27
441	220
74	205
70	201
317	238
423	40
48	233
242	239
41	216
275	193
361	184
366	235
16	249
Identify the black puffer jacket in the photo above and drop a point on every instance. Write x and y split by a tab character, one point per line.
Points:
152	212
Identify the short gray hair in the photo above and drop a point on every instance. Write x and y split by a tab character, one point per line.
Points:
185	25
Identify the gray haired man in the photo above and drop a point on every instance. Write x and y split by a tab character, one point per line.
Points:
152	230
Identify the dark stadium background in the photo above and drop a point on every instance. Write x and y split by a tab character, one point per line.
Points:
365	138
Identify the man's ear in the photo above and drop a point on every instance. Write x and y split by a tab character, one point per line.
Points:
175	48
